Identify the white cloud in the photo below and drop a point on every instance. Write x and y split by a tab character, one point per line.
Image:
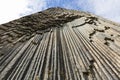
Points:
107	8
37	5
13	9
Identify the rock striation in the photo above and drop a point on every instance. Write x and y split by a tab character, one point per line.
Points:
60	44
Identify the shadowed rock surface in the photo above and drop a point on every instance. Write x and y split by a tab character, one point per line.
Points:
60	44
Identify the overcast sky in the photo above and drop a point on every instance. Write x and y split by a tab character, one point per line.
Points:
13	9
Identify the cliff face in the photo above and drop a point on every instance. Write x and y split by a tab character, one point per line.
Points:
60	44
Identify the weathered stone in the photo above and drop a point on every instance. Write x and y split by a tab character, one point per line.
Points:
60	44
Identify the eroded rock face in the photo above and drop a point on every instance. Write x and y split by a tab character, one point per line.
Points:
41	21
60	44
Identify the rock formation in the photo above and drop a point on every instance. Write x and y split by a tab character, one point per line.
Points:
60	44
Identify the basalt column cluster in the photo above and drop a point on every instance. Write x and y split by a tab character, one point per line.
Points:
60	44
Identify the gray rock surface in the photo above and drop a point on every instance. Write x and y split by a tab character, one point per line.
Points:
60	44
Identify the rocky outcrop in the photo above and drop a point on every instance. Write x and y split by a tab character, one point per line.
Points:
60	44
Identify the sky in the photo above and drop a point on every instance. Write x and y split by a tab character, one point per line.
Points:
14	9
